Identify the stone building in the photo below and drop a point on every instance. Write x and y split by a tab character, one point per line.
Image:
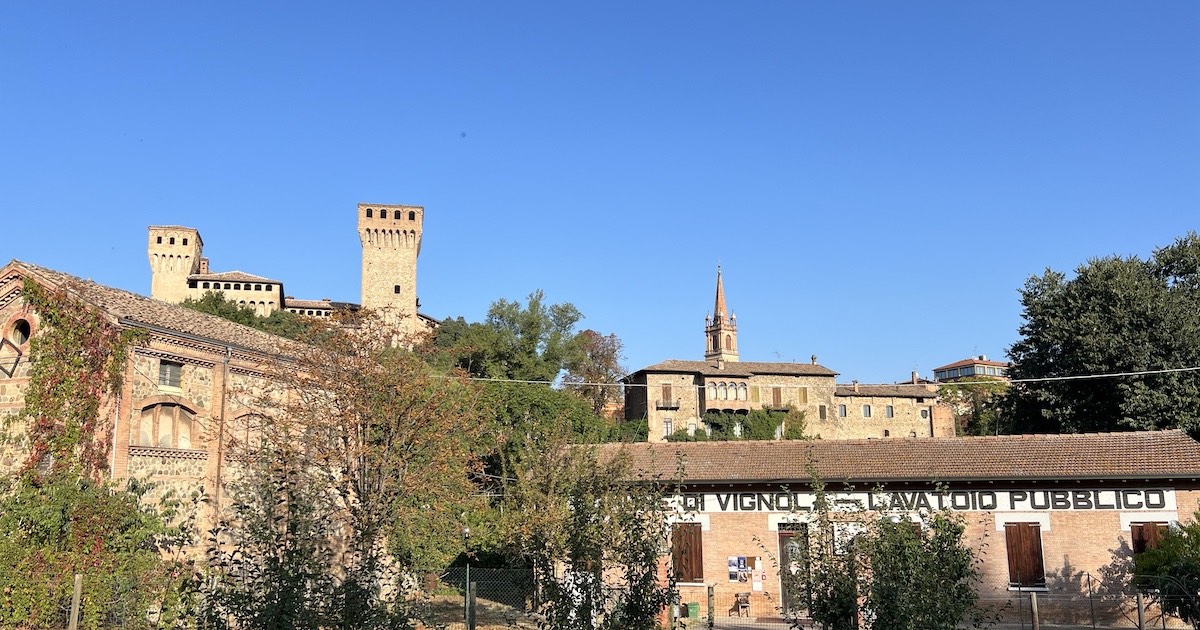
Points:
674	395
391	242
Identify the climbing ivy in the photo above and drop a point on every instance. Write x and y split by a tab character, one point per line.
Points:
77	360
58	517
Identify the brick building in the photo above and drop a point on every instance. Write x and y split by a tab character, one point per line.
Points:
1041	510
674	395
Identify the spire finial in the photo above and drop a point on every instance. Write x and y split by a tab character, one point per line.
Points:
719	303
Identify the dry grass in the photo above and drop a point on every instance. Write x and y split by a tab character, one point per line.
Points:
447	612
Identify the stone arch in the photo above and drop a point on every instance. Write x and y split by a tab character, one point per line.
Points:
165	421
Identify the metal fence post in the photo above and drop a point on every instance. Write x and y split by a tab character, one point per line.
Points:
1033	610
712	613
75	597
471	605
1141	606
1092	601
467	595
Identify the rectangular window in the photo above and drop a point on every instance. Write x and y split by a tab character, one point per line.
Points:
1024	541
776	397
889	411
666	393
668	427
821	411
754	395
169	373
687	555
1145	536
802	395
866	411
841	411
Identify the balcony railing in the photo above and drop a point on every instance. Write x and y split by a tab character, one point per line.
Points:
667	404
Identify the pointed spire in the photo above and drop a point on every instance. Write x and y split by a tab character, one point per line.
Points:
719	305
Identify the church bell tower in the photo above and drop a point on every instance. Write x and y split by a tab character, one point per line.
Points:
720	329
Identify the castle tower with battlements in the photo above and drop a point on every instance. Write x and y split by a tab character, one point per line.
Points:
174	252
391	241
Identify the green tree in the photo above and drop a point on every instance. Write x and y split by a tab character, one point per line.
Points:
57	517
268	563
594	539
282	323
974	403
1171	571
595	370
1116	315
898	573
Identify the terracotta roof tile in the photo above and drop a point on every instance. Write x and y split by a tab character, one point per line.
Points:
1144	455
966	362
122	304
232	276
740	368
900	390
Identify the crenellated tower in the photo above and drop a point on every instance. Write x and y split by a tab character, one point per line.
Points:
391	241
174	252
720	329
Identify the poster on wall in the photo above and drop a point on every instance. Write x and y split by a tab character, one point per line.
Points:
733	568
759	574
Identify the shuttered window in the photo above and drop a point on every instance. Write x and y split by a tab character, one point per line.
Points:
666	393
687	556
1024	554
802	395
776	397
1146	535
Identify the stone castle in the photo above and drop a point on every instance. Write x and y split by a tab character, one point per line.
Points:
391	242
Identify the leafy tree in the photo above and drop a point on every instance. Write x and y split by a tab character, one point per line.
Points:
974	404
1171	571
534	342
54	526
268	564
384	462
888	570
281	322
595	540
57	518
595	370
1116	315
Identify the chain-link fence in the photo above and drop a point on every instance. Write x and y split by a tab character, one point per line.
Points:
503	598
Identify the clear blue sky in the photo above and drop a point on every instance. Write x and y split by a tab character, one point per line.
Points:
877	179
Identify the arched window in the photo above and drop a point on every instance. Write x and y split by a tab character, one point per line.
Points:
412	216
383	214
729	342
742	392
368	213
171	241
722	391
166	425
185	241
712	391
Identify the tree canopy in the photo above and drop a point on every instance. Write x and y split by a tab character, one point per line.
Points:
1117	315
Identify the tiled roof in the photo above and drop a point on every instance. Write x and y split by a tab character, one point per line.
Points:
294	303
900	390
231	276
122	304
740	368
1135	455
972	361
